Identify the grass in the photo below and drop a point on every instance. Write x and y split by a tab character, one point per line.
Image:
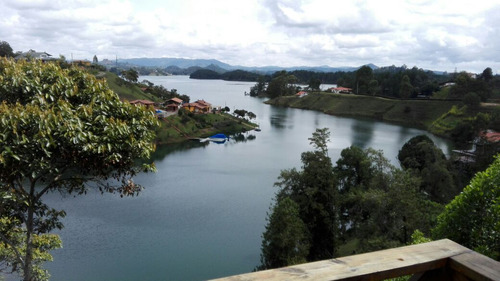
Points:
415	113
127	90
177	128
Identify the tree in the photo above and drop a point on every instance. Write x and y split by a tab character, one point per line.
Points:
405	88
487	74
472	100
385	216
421	156
251	115
131	75
380	206
95	60
6	50
373	87
284	241
258	89
281	85
363	77
314	83
313	189
62	131
240	112
472	219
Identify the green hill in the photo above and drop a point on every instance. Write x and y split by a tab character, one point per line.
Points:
127	90
441	117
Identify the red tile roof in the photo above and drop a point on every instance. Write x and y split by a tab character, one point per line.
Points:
145	102
177	100
490	136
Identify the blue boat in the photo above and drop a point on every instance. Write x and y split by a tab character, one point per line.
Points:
218	138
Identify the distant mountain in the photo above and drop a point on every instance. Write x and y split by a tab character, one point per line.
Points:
165	62
179	65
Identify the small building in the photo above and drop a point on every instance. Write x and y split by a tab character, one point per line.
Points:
193	107
146	103
207	107
486	141
301	94
199	106
173	104
340	90
32	54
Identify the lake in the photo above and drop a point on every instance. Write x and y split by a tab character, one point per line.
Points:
202	214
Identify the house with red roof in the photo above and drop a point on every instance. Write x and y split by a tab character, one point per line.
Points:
340	90
146	103
173	104
301	94
199	106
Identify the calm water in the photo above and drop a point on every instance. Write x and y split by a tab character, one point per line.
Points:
202	214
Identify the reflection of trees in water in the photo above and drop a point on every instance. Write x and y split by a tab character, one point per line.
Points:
361	133
163	150
243	137
279	117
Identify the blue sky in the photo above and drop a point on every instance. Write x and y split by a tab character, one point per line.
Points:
438	35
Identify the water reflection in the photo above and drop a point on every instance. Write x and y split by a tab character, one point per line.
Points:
361	133
243	137
163	150
280	118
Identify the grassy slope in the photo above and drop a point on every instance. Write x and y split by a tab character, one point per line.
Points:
126	91
415	113
176	129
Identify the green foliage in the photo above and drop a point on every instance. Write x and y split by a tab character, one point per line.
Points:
364	75
127	90
472	100
472	219
63	130
465	84
314	83
313	190
205	74
420	156
380	205
281	85
405	88
6	49
363	202
487	74
11	252
418	237
130	75
258	89
285	240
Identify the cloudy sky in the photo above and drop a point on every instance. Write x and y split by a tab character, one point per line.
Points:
430	34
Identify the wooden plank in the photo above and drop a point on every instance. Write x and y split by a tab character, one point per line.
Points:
476	266
369	266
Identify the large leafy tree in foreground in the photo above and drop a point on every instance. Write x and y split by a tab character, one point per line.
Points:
60	130
473	217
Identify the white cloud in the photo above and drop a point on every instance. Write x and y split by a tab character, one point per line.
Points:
429	34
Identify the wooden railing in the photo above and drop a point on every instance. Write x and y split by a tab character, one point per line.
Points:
437	260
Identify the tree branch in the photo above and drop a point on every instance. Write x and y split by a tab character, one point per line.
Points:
16	252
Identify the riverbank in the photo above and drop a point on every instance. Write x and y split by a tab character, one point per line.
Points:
176	128
415	113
